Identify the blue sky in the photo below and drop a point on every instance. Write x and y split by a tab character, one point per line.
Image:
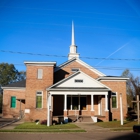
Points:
103	29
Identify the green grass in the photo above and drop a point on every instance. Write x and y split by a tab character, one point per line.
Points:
33	127
28	125
116	124
42	130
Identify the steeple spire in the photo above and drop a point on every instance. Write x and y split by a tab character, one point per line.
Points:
72	38
73	47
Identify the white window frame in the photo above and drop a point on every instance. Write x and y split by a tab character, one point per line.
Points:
39	73
36	98
116	100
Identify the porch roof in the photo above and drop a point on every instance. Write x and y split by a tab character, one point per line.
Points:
89	89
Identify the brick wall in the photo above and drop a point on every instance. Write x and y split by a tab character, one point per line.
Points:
32	86
66	71
119	87
9	112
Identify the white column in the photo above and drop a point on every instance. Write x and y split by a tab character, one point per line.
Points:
92	102
65	102
71	103
50	102
78	102
121	110
48	109
106	102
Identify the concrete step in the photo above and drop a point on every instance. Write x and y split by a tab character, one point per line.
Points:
80	118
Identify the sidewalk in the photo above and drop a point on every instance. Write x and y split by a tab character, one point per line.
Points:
91	127
12	125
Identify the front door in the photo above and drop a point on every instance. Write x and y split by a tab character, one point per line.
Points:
58	105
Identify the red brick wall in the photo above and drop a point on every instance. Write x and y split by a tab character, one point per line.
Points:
32	86
66	71
119	87
9	112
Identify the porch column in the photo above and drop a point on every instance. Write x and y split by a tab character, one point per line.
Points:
65	102
106	102
78	102
48	109
92	102
71	103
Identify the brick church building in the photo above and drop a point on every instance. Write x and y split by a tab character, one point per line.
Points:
74	88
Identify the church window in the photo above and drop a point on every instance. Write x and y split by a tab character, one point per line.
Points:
39	74
114	100
39	99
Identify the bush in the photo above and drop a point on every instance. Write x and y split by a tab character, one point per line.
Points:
43	122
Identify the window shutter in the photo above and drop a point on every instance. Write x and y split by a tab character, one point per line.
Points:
13	102
40	74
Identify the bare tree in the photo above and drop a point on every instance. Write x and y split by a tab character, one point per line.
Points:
133	86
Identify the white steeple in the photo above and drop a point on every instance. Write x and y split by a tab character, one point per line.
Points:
72	38
73	47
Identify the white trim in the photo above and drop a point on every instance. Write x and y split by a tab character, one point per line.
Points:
90	68
112	78
77	93
82	63
40	63
80	90
62	81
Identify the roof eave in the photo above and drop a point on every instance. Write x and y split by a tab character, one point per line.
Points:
13	87
112	78
68	89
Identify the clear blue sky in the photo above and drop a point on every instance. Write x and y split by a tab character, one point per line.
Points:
103	29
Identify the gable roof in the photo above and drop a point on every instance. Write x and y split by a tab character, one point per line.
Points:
88	84
19	84
82	63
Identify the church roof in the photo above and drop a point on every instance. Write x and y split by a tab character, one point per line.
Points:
80	62
19	84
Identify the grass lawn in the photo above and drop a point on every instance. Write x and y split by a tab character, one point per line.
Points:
29	125
33	127
116	125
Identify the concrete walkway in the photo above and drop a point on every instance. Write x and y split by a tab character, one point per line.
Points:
91	127
12	124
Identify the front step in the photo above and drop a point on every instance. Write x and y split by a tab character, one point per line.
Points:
80	119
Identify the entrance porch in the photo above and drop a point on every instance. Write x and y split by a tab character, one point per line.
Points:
78	106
